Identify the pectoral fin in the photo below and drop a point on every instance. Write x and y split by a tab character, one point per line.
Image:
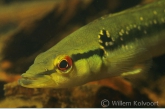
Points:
139	74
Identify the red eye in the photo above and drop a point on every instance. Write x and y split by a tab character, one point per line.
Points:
65	63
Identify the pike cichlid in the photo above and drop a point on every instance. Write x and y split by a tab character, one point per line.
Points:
119	44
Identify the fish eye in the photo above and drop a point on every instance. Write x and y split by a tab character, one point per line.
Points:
65	63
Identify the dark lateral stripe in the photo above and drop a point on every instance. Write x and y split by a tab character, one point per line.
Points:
136	34
75	58
131	37
88	54
46	73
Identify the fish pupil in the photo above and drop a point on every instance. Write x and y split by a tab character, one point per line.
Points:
63	64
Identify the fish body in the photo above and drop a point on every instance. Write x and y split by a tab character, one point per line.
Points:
115	45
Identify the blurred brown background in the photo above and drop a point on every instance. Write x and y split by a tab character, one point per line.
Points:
29	27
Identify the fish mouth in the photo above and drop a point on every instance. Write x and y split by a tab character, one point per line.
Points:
35	81
24	81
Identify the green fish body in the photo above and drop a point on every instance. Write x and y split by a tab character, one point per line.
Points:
119	44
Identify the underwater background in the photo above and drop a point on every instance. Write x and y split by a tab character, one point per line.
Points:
29	27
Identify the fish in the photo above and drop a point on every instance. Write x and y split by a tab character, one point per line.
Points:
119	44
